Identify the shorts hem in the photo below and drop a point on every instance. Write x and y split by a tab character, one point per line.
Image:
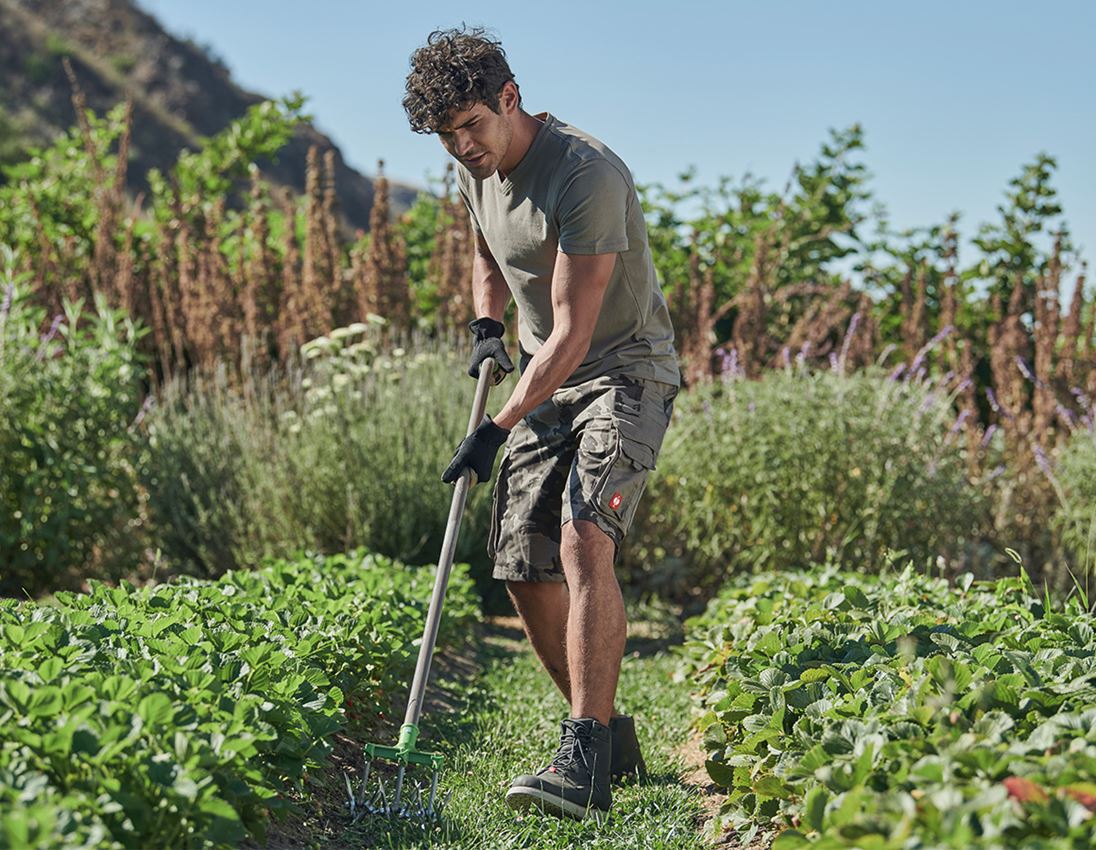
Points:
517	571
590	515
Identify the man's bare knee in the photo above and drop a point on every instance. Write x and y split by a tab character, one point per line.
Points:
589	553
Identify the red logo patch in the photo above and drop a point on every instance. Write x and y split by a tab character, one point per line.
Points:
614	502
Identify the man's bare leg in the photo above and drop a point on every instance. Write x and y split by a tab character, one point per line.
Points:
542	607
596	623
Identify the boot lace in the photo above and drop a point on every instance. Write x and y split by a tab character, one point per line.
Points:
573	745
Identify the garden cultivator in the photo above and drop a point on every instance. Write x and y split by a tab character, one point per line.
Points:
412	799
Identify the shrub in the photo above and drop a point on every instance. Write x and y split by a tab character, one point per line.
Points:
344	448
798	468
1076	516
69	504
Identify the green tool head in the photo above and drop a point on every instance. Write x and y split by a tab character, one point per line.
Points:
408	800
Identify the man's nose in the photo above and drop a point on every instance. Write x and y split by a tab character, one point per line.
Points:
462	143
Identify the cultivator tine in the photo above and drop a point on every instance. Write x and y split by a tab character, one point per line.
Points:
410	799
433	794
399	788
379	803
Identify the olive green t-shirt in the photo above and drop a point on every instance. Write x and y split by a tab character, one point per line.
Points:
571	193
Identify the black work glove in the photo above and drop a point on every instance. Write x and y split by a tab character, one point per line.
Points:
488	334
477	452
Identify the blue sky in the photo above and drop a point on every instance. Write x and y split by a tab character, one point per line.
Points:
954	96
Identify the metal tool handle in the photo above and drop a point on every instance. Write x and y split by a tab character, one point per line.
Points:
448	550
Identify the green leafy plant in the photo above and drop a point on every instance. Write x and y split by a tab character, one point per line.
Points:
865	711
1076	515
68	397
343	448
178	715
801	467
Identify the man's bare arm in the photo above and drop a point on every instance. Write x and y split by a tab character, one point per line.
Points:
490	294
579	282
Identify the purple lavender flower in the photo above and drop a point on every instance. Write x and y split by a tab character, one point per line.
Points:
849	334
1043	462
996	472
930	345
1081	397
801	357
732	363
927	403
1026	372
9	295
786	356
1065	414
724	361
53	327
145	407
959	420
897	373
964	384
48	336
990	431
833	361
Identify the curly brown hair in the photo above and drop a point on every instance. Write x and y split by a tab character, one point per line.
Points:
456	69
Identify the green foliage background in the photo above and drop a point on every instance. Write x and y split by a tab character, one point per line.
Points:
800	468
69	501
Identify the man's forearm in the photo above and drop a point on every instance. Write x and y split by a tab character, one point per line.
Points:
490	294
553	363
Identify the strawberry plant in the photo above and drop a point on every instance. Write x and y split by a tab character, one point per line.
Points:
873	712
178	715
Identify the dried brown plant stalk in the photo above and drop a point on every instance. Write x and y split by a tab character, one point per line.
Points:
914	331
1047	312
291	330
387	292
451	259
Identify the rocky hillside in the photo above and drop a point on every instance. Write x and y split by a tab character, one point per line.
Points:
180	92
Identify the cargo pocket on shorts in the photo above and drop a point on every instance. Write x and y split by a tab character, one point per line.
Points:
618	490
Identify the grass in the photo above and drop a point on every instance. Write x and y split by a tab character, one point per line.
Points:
506	721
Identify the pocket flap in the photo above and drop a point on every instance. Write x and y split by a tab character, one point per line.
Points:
638	452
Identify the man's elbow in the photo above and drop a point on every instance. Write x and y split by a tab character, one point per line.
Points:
571	345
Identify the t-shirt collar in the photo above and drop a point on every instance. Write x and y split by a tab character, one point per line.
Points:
546	121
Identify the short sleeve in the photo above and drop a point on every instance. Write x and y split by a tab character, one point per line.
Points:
593	209
467	203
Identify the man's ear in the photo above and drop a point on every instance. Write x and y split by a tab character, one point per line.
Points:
508	97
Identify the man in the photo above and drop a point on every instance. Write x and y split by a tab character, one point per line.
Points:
559	227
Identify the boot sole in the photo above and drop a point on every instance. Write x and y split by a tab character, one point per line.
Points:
521	799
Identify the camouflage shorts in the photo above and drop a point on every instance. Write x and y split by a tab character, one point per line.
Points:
582	454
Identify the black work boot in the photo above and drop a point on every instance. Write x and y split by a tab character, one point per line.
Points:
576	782
627	760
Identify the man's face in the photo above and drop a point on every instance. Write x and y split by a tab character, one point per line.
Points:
478	137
